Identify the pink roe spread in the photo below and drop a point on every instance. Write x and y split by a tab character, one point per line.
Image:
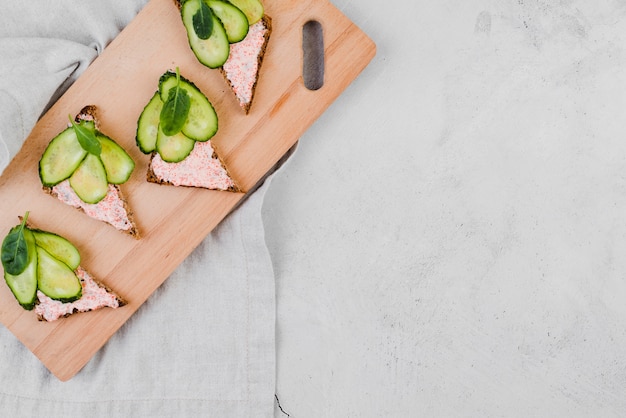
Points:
110	209
199	169
93	297
242	65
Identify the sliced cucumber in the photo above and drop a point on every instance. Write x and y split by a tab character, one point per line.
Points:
234	20
175	148
55	279
201	122
117	163
61	158
89	181
24	285
212	52
253	9
148	124
58	247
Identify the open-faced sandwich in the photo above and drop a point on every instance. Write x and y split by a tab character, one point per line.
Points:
229	35
43	271
176	128
83	168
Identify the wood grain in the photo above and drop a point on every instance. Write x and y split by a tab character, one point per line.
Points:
172	221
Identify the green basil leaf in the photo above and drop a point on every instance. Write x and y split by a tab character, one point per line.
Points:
86	135
175	110
203	21
14	251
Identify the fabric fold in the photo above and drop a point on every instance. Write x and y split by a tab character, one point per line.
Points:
36	71
203	343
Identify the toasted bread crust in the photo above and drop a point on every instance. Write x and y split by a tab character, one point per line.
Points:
90	112
267	22
133	231
153	178
121	302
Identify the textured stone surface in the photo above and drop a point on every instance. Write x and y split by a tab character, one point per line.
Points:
449	238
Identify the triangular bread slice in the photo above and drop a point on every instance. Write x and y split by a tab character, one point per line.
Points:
202	168
241	70
113	209
95	296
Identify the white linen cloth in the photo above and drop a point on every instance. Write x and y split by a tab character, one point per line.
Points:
203	344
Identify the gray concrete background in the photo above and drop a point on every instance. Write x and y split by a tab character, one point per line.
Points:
449	238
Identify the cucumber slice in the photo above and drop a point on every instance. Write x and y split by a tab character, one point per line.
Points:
89	181
234	20
61	158
117	163
175	148
58	247
24	285
212	52
201	122
253	9
55	279
148	124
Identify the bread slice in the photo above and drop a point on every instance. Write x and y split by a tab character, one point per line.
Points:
95	296
113	209
241	70
202	168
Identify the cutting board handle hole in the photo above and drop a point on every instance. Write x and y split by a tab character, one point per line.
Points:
313	55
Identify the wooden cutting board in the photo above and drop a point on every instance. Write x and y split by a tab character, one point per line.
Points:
172	221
